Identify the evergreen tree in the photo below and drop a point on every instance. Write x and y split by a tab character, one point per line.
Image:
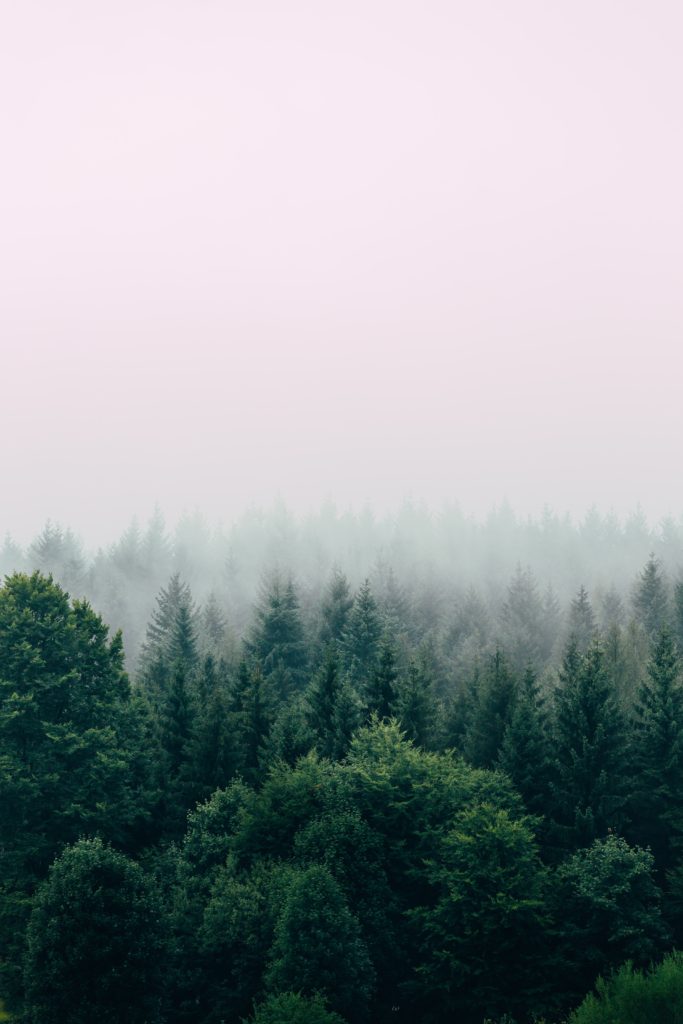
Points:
212	757
651	599
525	750
171	636
361	638
68	725
381	688
336	606
416	707
582	621
678	615
491	713
251	709
657	796
322	698
277	639
522	620
590	778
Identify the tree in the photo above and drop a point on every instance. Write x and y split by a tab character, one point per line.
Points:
632	996
276	639
481	935
323	698
361	638
251	712
610	911
651	599
293	1008
522	619
491	713
525	751
590	777
657	797
171	636
336	606
582	621
381	687
416	707
318	946
95	947
69	760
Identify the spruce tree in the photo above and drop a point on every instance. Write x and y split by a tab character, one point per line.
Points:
361	638
525	750
491	713
589	769
336	606
381	688
582	621
277	640
651	599
657	797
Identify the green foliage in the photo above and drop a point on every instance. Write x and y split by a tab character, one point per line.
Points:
590	761
70	756
491	712
636	997
277	640
609	909
293	1008
318	946
482	933
525	750
651	598
360	640
95	945
657	797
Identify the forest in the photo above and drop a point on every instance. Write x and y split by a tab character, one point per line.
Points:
344	769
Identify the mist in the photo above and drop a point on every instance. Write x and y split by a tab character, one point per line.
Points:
356	255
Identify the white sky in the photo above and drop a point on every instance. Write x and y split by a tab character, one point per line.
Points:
357	250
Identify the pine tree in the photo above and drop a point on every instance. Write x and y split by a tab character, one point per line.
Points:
651	599
582	621
525	750
171	636
416	707
590	778
361	638
252	717
657	798
381	689
336	606
277	640
678	615
491	713
322	698
522	619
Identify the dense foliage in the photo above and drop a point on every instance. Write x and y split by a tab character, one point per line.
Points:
350	806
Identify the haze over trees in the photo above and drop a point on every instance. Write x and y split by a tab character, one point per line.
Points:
341	770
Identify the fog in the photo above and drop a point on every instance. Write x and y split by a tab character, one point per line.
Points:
356	253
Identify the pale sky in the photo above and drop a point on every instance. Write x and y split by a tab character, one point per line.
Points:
355	250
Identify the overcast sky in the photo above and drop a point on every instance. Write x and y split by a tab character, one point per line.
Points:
353	250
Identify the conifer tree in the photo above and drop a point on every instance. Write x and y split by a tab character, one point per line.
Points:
336	606
582	621
251	709
361	638
277	640
657	797
491	713
525	750
416	707
381	689
651	599
589	769
322	698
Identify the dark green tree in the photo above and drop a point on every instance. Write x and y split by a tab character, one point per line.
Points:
277	640
590	763
656	802
581	626
491	713
381	687
525	753
95	946
608	908
293	1008
361	639
336	606
319	947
